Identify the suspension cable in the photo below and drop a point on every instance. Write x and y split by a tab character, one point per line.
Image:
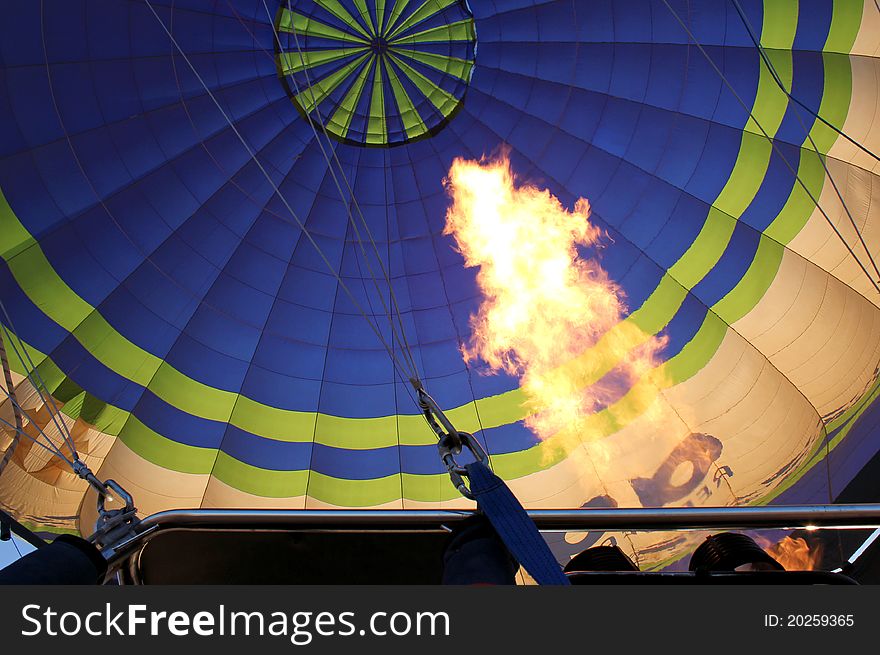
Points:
772	68
50	448
16	412
36	380
773	145
20	412
33	374
77	465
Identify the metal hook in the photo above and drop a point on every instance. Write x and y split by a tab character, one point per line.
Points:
450	446
450	441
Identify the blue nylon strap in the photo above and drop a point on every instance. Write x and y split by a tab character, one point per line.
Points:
514	526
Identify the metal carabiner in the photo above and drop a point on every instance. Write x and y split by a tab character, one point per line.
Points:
114	527
113	492
450	446
450	441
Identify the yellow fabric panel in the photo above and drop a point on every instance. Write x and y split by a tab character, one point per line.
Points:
220	494
40	488
47	501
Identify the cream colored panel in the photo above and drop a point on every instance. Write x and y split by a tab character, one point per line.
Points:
819	243
220	494
36	485
862	124
153	487
314	503
818	332
570	483
763	423
762	420
605	467
34	500
867	42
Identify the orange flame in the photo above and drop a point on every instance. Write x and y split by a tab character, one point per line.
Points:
794	554
549	316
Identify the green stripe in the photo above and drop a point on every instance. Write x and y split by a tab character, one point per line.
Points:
459	68
380	15
159	450
164	452
335	431
291	21
336	8
319	90
697	352
443	101
114	351
293	62
377	131
709	245
432	488
799	206
273	423
462	30
38	358
354	493
846	17
412	122
754	283
834	106
341	118
770	97
425	488
399	6
365	15
36	277
257	481
14	238
426	10
779	24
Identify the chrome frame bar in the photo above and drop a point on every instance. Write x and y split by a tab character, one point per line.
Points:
679	518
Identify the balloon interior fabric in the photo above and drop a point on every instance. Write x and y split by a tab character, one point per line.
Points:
201	201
